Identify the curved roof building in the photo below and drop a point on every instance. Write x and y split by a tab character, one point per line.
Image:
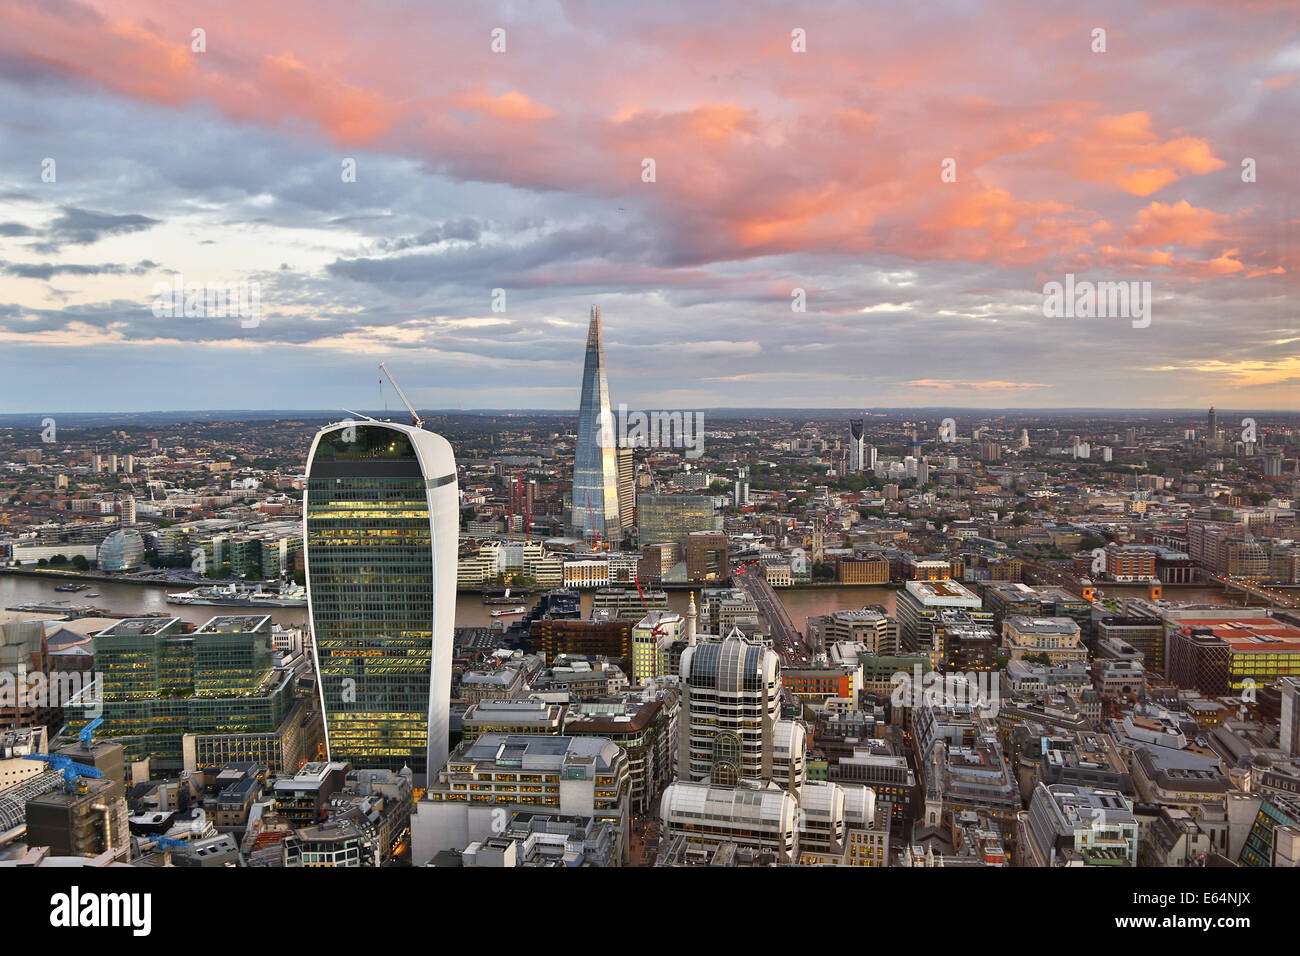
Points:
122	550
766	818
730	704
380	524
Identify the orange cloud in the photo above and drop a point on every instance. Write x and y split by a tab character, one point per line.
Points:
1179	224
1123	151
511	106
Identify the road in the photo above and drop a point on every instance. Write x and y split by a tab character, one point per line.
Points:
786	638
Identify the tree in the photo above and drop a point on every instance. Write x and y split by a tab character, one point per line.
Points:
80	563
823	571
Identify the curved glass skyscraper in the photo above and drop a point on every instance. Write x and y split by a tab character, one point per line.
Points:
595	460
380	523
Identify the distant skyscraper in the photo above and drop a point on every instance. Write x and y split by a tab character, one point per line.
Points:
595	461
1212	423
740	491
380	522
857	447
626	487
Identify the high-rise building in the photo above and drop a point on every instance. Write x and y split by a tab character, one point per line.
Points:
730	728
175	698
857	446
651	639
595	508
740	492
667	519
626	488
1212	424
1289	738
380	523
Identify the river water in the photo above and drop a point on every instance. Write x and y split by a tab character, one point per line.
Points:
470	610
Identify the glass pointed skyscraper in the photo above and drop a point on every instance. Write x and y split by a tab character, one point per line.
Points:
595	461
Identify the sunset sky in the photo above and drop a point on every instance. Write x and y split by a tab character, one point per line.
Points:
774	170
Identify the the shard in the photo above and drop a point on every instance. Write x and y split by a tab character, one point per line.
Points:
594	513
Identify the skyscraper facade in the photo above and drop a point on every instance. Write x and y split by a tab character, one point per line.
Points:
1212	424
380	525
857	446
626	487
594	509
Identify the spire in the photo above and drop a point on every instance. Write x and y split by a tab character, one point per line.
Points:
593	330
691	616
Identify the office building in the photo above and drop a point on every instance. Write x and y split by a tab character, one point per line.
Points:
160	686
645	726
380	515
730	727
1078	826
594	510
669	519
122	550
485	780
87	818
607	637
740	490
626	488
1221	654
511	716
706	557
652	637
872	628
1057	637
921	604
857	447
1289	739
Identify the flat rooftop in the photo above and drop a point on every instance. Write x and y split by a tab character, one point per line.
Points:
235	624
140	627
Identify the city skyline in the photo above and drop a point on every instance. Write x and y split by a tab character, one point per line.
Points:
522	172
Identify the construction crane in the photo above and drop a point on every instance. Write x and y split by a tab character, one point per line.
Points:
416	420
168	843
71	770
87	734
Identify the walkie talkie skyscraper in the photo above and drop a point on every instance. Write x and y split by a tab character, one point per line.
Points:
594	511
380	523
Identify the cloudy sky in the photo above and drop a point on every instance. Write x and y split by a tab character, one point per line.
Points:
774	170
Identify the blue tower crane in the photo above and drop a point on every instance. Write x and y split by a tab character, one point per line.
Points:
169	843
70	769
87	734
